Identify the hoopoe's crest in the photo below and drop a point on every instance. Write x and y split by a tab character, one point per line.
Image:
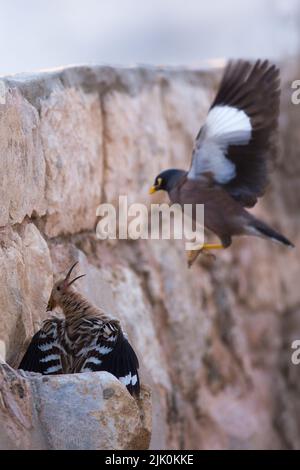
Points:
61	288
86	340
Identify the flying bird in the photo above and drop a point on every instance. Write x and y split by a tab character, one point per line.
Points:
229	168
85	340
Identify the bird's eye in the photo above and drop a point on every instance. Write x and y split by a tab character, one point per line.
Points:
58	288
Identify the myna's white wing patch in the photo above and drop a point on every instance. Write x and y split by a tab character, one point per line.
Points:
228	126
224	126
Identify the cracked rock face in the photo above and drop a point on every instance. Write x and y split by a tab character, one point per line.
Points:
71	134
214	342
71	412
21	161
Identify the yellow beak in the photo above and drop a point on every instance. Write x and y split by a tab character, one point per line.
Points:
152	190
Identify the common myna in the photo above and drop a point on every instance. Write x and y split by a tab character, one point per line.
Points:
229	168
86	340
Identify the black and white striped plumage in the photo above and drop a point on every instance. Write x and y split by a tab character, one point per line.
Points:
86	340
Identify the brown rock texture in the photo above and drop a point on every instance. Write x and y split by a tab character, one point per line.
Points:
214	342
71	412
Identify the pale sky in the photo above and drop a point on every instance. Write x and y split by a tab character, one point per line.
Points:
37	34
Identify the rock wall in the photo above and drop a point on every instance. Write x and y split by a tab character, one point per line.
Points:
214	341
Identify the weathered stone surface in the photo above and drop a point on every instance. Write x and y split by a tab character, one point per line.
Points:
71	133
71	412
214	342
148	132
90	412
19	424
26	280
22	165
136	143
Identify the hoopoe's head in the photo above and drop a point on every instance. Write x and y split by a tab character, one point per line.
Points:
60	288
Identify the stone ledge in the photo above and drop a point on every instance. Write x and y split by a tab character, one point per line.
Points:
89	411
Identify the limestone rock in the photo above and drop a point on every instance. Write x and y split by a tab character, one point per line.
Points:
22	190
71	133
88	411
136	143
25	284
19	424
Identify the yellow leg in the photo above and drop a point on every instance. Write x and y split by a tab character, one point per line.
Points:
193	254
210	246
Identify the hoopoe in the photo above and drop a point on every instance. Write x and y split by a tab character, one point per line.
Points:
86	340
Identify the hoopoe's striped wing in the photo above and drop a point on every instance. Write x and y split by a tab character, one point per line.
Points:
113	353
123	363
45	353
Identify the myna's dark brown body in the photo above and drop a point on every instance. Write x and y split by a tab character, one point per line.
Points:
229	169
223	215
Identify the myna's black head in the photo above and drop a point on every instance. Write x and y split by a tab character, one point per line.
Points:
167	180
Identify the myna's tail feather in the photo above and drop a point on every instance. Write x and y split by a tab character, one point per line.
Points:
265	231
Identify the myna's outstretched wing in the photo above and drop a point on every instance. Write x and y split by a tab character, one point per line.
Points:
239	136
